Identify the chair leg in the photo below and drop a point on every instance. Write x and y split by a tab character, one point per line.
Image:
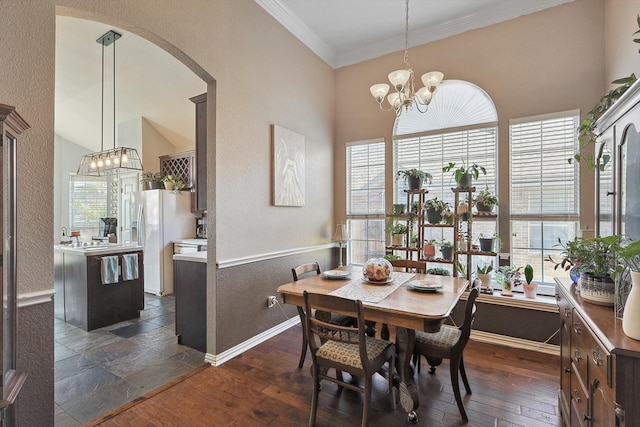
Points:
392	363
433	362
314	396
305	343
368	385
463	374
455	383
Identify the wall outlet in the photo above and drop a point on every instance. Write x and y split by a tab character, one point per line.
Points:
271	301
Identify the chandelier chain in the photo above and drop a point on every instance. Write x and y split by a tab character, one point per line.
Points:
406	35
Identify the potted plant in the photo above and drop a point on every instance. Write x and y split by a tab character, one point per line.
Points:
429	248
486	243
464	175
530	289
446	247
599	260
398	232
398	208
572	254
463	210
438	271
391	257
484	274
485	201
413	239
151	180
448	216
171	182
508	277
435	208
414	178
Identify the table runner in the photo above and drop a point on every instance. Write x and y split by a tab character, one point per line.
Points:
358	289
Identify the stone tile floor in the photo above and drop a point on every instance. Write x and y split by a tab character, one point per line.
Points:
97	371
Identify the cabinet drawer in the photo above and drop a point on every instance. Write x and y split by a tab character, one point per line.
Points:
579	402
600	365
581	343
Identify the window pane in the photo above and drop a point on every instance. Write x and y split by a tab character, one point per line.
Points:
87	203
365	197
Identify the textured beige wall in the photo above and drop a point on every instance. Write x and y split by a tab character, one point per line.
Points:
264	75
539	63
621	53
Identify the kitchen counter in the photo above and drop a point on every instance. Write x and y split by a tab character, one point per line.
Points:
192	257
201	242
111	248
82	299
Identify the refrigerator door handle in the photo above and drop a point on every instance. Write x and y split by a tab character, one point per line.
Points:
139	217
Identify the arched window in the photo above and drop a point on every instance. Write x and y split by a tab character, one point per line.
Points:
459	127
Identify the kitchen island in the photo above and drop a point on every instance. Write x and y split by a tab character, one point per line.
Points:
84	298
190	282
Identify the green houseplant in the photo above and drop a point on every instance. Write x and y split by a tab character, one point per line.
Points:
414	177
586	130
508	277
484	274
398	232
151	180
435	209
530	289
464	175
446	247
438	271
172	182
485	200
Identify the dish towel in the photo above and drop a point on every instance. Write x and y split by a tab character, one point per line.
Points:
109	271
129	267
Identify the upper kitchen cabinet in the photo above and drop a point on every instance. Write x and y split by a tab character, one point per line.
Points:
199	192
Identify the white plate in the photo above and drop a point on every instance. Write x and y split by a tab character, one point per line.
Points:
336	274
378	282
424	286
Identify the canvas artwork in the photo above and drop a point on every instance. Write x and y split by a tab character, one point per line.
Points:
288	167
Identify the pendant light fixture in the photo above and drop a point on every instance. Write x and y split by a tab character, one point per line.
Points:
402	81
118	159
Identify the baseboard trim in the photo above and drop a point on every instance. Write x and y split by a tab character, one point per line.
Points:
219	359
513	342
34	298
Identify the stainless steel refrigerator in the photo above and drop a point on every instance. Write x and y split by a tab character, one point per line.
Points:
161	217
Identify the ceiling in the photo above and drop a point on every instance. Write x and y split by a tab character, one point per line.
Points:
154	85
345	32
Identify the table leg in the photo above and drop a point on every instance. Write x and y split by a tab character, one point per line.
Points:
407	390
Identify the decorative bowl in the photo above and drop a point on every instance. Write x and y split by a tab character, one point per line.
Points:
377	270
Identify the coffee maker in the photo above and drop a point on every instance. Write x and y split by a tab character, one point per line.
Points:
201	227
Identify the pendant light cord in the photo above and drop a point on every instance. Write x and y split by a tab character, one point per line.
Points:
114	94
102	105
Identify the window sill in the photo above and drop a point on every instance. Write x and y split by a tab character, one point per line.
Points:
518	300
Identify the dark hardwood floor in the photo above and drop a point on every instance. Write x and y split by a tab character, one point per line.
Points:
263	387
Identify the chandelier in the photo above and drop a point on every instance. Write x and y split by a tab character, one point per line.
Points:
111	161
402	81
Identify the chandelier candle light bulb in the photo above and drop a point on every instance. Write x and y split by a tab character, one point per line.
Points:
402	81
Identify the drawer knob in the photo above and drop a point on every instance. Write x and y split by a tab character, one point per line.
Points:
576	396
567	312
577	355
577	327
567	370
597	358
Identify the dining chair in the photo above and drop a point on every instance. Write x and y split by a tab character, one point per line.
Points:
449	343
298	273
345	349
410	265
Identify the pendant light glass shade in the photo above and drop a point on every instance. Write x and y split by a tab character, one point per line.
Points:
118	159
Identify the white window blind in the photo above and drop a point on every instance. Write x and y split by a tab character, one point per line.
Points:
544	191
365	178
365	200
430	153
87	203
542	181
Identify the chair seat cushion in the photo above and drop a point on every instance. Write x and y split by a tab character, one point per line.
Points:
349	354
445	338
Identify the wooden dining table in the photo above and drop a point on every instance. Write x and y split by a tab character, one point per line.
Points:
404	309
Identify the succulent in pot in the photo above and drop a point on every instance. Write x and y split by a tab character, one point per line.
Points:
530	289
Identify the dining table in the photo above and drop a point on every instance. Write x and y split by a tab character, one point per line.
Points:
406	303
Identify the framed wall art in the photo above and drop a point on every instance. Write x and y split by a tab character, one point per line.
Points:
288	167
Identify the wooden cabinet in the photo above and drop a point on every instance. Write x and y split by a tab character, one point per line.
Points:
190	280
181	165
11	380
618	150
200	189
599	365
